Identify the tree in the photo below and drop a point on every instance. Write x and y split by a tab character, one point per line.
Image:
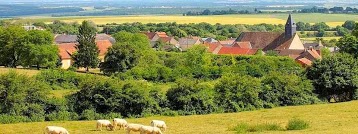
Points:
335	77
320	26
348	44
341	31
120	58
87	50
349	24
301	26
14	42
42	56
138	41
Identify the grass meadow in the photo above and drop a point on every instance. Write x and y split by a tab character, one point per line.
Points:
331	19
322	119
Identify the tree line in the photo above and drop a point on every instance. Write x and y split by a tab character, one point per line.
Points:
218	12
316	9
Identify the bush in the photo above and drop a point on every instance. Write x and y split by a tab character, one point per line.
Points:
59	79
238	93
244	127
297	124
61	116
191	98
8	119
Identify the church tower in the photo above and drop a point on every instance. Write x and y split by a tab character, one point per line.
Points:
290	27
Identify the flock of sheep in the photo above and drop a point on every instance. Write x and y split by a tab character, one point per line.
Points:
156	127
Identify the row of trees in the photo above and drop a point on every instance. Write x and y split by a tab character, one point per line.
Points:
329	10
27	48
216	12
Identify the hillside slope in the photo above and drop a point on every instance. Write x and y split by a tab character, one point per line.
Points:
323	118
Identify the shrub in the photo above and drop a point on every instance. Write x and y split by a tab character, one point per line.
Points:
61	116
7	119
59	79
244	127
297	124
238	93
191	98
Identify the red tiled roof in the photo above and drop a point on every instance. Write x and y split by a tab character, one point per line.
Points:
66	50
242	45
314	53
211	46
162	34
103	46
150	35
304	62
237	51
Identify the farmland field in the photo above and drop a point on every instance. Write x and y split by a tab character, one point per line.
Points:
323	119
331	19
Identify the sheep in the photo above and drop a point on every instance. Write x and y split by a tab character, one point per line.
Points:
158	123
133	127
119	122
55	130
104	123
150	130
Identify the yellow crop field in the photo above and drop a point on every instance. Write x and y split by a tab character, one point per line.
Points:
323	119
20	71
223	19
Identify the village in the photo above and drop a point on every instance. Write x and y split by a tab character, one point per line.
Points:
248	43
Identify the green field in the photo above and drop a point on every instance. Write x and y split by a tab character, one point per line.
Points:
323	119
331	19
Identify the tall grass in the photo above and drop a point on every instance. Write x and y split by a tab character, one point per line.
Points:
244	127
297	124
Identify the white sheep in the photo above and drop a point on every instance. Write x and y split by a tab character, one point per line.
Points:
122	123
104	123
150	130
55	130
158	123
133	127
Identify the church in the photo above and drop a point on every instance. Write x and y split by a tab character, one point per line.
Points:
287	43
273	40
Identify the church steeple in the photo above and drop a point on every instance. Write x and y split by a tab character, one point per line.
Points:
290	27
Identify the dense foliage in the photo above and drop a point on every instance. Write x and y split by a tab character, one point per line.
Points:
335	77
27	48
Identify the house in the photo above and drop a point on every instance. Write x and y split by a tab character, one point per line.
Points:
154	37
188	42
314	45
228	42
64	38
304	57
67	49
242	45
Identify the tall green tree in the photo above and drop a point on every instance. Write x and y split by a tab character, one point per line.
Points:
42	56
87	50
335	77
348	44
14	42
349	24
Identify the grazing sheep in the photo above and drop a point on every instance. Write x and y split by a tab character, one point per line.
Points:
133	127
122	123
158	123
150	130
104	123
55	130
